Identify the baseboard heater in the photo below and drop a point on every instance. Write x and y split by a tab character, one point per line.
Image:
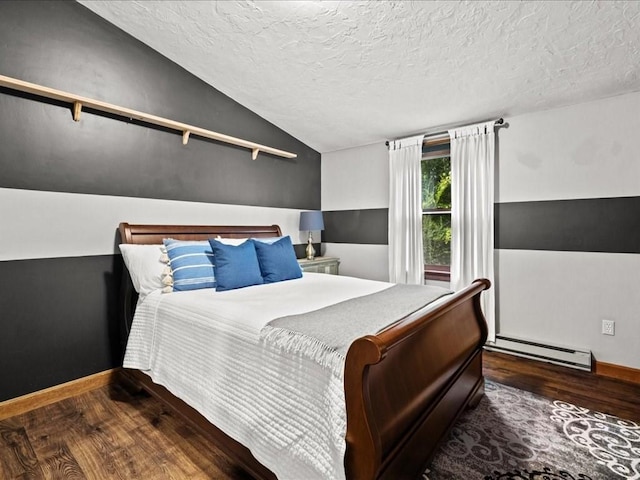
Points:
566	356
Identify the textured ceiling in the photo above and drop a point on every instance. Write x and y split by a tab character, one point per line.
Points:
342	74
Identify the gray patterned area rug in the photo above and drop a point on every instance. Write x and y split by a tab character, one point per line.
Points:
516	435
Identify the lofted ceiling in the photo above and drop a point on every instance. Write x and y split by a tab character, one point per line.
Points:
339	74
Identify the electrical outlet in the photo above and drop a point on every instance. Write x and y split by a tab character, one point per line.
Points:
608	327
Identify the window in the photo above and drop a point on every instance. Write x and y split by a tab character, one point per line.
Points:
436	208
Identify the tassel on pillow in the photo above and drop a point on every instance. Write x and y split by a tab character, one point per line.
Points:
167	273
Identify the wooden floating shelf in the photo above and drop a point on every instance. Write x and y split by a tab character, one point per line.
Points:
79	102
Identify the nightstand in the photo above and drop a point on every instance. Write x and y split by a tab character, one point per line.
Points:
320	265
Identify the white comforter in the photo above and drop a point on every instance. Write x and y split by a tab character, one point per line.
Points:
204	347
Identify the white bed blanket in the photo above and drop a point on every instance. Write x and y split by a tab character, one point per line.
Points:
204	346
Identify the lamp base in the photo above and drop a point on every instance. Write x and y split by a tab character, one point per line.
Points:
311	252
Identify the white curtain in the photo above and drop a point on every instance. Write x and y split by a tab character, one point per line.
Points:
406	264
472	197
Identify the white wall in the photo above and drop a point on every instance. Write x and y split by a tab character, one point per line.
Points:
355	178
54	224
583	151
562	297
352	179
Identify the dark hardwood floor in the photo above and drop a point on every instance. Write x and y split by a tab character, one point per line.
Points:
108	433
595	392
112	433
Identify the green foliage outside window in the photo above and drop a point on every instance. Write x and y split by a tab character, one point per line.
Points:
436	200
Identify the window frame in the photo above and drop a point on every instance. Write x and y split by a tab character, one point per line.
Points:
440	273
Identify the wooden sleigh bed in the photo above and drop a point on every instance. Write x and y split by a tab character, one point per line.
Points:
404	387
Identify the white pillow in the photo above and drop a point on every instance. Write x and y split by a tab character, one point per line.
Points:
231	241
240	241
145	267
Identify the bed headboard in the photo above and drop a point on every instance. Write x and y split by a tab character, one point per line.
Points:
151	234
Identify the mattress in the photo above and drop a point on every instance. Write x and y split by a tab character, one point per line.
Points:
204	347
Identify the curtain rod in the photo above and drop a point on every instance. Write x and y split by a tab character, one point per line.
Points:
499	121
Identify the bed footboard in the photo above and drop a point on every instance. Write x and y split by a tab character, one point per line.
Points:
406	386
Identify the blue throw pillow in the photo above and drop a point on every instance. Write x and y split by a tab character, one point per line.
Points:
236	265
277	260
191	264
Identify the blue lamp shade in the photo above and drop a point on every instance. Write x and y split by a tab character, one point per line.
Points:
311	221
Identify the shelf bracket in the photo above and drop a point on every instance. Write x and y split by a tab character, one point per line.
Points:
77	108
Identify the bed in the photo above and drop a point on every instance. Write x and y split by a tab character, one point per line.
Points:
403	388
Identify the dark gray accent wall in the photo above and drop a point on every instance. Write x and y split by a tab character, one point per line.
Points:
57	316
367	226
59	321
63	45
584	225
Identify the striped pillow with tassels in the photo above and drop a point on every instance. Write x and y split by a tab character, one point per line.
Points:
191	265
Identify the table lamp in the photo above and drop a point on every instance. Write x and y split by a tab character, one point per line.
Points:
311	221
